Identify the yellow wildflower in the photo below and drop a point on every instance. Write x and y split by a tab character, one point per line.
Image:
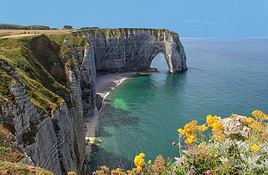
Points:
117	171
149	161
211	119
219	137
254	148
256	125
202	128
190	131
142	154
217	126
190	128
139	168
249	120
265	117
190	139
139	161
180	130
258	114
129	172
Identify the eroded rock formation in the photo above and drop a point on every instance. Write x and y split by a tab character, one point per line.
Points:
122	50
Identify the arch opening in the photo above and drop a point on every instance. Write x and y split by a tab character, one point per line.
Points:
159	63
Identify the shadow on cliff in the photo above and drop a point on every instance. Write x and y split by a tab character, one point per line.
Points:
100	157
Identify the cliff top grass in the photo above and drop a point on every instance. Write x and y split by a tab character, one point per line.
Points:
8	152
119	32
18	33
8	168
40	62
107	32
4	85
38	82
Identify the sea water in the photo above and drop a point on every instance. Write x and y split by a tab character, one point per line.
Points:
143	114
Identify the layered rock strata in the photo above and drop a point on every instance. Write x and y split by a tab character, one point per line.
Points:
124	50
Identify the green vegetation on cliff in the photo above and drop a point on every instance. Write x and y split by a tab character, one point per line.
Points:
30	27
120	32
8	152
4	85
20	54
40	62
8	168
10	156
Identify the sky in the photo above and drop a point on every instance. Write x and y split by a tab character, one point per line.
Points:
190	18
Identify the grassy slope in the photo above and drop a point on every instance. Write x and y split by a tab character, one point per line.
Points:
8	168
17	52
10	156
39	62
8	152
9	33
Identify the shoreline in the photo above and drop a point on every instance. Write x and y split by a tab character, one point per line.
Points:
106	83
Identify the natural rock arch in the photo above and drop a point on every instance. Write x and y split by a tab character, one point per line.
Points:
156	51
121	50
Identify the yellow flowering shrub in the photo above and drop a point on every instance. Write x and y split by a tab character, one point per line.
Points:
191	130
259	115
211	150
139	161
211	120
254	147
249	120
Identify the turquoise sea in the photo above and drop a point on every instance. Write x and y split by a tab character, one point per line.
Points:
142	115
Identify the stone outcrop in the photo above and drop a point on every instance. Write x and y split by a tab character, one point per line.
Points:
47	95
235	125
123	50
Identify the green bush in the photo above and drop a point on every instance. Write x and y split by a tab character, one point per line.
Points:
22	27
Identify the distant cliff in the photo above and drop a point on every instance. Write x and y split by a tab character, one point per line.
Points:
47	88
121	50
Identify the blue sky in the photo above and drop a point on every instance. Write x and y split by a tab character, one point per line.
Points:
190	18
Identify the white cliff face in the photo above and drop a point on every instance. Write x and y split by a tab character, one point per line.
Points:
88	80
41	142
121	50
52	141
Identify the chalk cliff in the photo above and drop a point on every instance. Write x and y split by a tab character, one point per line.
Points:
121	50
47	87
41	102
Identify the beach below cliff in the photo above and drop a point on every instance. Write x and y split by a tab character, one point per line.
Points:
105	83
